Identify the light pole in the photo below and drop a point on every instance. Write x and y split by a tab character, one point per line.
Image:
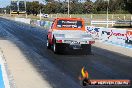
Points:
40	15
26	8
107	13
10	7
18	5
68	7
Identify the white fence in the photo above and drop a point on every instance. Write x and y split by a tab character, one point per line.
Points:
102	22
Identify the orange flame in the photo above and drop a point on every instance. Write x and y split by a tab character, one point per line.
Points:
84	73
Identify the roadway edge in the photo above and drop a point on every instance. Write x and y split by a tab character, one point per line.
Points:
7	78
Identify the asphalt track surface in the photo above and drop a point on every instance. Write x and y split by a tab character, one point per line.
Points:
62	71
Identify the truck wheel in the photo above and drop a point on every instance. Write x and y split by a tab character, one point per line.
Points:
48	45
87	49
55	48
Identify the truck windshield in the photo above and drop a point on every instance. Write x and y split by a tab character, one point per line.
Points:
69	24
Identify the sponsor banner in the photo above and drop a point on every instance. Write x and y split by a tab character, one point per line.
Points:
118	36
38	22
45	24
105	34
42	23
129	37
33	22
114	35
94	31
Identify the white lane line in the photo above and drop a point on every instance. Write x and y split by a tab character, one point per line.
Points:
4	71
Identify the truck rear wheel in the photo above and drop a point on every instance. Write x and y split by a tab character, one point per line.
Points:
48	44
55	47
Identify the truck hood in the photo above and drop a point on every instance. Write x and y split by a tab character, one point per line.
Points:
71	34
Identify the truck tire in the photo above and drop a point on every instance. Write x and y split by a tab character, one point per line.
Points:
48	44
87	49
55	47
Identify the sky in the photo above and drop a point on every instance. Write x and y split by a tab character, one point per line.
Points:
4	3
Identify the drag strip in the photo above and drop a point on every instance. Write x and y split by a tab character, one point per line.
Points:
63	70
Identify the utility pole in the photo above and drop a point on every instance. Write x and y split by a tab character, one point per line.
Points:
26	8
40	15
107	13
18	5
68	7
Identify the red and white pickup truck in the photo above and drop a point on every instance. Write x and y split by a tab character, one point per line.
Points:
69	33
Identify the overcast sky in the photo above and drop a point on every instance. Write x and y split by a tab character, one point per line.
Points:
4	3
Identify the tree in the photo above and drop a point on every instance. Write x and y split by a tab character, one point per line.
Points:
52	7
64	8
114	5
88	7
33	7
129	5
100	6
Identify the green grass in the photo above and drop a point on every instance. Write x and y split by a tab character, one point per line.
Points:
95	16
87	17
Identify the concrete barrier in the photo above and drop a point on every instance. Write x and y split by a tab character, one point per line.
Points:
114	35
94	31
111	35
45	24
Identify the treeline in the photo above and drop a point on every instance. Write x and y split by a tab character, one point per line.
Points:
98	7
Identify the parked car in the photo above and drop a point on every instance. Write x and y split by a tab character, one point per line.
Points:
46	15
